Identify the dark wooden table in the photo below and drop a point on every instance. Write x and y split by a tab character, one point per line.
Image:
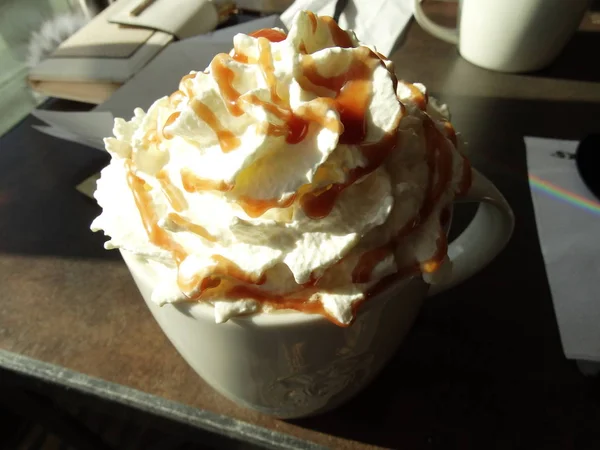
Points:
483	367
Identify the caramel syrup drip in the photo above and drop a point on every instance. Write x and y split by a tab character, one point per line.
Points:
313	21
159	237
224	76
339	36
451	133
143	202
174	195
227	140
197	285
227	268
170	120
270	34
294	126
240	57
192	183
224	268
282	114
318	204
353	93
257	207
316	112
433	264
265	63
182	222
439	162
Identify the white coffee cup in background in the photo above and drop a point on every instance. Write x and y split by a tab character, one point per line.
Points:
510	35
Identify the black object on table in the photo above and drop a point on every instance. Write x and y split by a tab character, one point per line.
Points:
587	159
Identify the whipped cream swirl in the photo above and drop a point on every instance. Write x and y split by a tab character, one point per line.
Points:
295	172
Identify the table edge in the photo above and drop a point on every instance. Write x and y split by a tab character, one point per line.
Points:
152	404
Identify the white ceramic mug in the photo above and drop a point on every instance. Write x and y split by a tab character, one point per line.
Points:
291	364
510	35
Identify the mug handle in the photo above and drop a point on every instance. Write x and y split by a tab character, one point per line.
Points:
444	33
484	238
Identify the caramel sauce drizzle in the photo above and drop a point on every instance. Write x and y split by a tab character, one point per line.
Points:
174	195
352	95
197	285
192	183
224	76
224	268
433	263
240	57
267	33
451	133
257	207
439	162
265	62
227	140
279	112
159	237
339	36
270	34
313	20
170	120
143	201
318	204
316	112
191	227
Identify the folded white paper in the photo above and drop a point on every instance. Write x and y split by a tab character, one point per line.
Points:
376	22
568	223
88	128
160	77
67	136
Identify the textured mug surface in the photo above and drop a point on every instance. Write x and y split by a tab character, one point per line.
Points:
286	364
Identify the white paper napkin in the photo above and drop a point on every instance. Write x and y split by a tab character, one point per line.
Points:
568	223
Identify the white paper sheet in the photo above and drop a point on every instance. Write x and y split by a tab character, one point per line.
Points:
88	128
67	136
376	22
568	223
